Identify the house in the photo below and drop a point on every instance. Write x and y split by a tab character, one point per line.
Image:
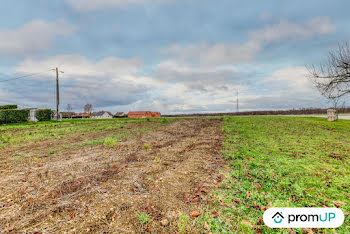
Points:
81	115
156	115
102	115
67	115
140	114
120	115
143	114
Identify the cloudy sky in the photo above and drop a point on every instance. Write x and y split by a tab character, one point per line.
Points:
173	56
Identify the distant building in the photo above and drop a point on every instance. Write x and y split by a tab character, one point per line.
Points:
120	115
67	115
81	115
102	115
143	114
156	115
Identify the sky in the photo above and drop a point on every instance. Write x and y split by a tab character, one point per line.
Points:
172	56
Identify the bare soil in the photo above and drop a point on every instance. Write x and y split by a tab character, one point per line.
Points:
161	173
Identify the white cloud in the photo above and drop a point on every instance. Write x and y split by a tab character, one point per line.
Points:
108	82
211	54
286	30
291	78
90	5
78	66
32	37
205	53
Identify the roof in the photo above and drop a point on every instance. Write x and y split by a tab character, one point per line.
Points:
119	114
100	113
138	112
83	114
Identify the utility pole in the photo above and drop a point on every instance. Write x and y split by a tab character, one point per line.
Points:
237	103
57	95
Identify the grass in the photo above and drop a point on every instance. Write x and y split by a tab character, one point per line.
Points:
110	142
70	134
281	162
143	217
184	223
17	135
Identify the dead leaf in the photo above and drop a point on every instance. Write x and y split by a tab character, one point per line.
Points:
21	191
164	222
206	226
258	186
72	214
248	194
269	205
195	199
339	203
214	214
195	214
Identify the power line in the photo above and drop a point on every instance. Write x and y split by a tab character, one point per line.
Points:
21	77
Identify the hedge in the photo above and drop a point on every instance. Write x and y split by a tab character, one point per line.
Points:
43	114
8	107
13	116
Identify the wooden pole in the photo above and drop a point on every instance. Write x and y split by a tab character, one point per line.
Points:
57	95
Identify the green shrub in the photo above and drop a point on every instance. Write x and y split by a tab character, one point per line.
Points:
43	115
8	107
13	116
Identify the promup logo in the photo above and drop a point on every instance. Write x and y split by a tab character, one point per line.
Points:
303	217
278	217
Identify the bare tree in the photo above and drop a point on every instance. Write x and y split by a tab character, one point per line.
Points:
88	108
332	78
69	110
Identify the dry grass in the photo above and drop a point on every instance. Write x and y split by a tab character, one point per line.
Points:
94	188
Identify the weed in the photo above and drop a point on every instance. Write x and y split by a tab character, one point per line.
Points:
183	223
146	146
110	142
157	159
165	121
17	161
143	217
94	142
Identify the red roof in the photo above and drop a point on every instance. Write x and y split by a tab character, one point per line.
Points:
138	112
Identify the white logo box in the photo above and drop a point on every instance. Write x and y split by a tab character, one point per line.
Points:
303	217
